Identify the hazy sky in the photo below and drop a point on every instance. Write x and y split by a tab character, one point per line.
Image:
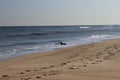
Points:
59	12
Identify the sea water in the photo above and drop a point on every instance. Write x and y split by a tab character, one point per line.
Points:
20	40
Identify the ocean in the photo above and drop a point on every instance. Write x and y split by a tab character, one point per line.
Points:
21	40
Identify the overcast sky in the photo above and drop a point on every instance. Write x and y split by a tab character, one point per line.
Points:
59	12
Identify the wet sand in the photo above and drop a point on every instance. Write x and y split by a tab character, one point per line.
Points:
95	61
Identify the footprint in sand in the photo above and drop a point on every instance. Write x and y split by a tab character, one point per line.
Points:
71	68
44	68
91	59
74	68
94	63
22	73
5	76
107	58
81	59
52	66
98	55
111	54
38	77
55	72
98	60
118	51
27	70
51	73
26	78
69	61
62	64
77	66
35	70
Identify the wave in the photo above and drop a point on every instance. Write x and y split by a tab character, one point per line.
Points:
84	27
108	27
29	34
40	34
99	36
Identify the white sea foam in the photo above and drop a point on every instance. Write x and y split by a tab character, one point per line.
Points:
84	27
99	36
108	27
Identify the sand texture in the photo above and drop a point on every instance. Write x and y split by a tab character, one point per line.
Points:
95	61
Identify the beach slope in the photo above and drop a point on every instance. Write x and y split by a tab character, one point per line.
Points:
94	61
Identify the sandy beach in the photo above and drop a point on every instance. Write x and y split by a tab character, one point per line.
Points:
94	61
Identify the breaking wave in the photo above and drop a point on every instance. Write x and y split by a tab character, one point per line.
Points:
84	27
99	36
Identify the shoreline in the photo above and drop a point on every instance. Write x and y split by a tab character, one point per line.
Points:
52	50
88	61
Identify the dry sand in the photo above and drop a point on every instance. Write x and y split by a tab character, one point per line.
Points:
95	61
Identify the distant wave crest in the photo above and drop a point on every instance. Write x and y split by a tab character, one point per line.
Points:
84	27
98	36
40	34
29	34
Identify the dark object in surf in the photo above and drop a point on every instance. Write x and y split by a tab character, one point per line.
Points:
60	43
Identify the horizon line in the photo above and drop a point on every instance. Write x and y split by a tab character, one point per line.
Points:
56	25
